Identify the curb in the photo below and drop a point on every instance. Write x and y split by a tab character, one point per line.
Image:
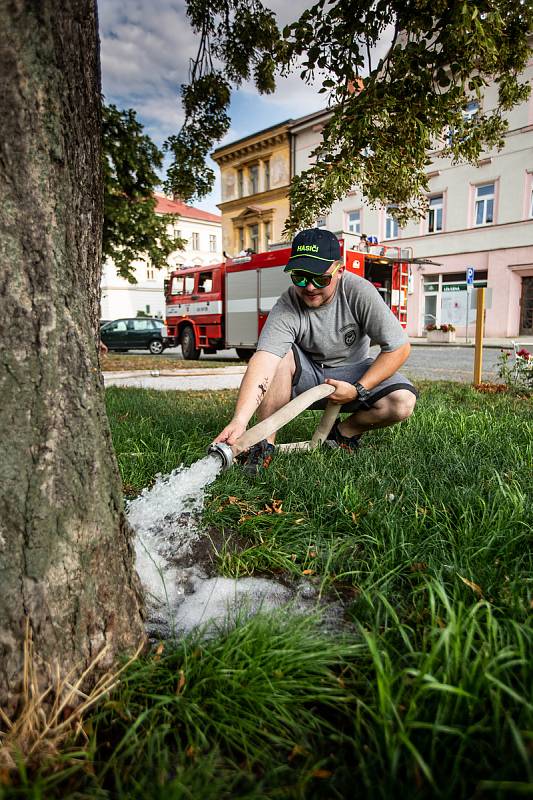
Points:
173	373
486	346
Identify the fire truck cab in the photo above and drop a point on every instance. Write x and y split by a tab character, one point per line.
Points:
226	305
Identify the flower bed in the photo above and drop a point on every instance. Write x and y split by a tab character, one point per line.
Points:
443	333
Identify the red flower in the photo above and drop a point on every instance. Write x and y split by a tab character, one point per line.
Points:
523	353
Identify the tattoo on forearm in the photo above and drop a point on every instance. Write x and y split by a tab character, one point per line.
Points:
262	391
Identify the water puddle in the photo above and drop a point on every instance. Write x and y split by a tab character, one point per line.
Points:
176	561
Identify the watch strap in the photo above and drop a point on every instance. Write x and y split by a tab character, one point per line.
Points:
362	393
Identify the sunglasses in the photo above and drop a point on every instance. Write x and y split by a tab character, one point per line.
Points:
302	279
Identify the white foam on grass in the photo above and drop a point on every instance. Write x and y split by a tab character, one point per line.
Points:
164	520
180	599
218	600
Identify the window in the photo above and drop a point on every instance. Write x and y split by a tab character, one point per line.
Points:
456	281
205	282
253	231
240	182
469	113
267	228
240	239
196	241
471	110
436	205
446	297
484	209
354	221
142	324
182	285
212	243
254	179
531	202
117	327
391	225
176	232
177	286
150	272
266	174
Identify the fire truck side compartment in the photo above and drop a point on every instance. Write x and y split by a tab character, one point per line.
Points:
241	309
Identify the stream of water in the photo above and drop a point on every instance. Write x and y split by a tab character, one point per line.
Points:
180	594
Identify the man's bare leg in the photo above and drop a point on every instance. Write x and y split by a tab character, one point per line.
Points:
280	390
393	408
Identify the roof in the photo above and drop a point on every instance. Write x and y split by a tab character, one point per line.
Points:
252	136
167	206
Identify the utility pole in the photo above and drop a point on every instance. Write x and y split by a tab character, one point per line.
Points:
480	320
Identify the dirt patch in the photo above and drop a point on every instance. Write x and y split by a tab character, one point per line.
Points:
491	388
113	362
502	388
203	552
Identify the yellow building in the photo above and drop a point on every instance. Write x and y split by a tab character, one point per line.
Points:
255	176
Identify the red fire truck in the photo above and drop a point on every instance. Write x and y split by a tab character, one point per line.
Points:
226	305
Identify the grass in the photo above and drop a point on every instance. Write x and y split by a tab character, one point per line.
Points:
426	537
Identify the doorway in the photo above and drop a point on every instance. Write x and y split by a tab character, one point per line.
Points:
526	307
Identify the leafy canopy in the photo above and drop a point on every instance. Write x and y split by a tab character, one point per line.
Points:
132	229
378	136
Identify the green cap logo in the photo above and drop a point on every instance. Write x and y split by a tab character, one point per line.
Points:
307	248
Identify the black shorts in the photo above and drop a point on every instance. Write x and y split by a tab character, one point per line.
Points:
309	373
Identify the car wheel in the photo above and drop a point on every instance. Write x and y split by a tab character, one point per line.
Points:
188	348
244	353
156	347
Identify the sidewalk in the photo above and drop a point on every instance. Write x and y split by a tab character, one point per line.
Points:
492	343
178	379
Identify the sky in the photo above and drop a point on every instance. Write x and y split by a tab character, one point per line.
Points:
146	48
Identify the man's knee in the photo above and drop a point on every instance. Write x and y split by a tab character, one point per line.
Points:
287	364
400	405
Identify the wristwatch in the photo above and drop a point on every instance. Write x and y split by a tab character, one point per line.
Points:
362	393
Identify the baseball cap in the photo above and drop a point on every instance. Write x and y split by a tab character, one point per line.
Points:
314	250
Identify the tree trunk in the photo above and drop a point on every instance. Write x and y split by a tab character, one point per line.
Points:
66	556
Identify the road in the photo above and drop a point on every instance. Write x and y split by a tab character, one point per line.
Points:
450	363
432	363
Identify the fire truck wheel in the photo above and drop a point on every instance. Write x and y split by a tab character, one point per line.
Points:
156	347
244	353
190	352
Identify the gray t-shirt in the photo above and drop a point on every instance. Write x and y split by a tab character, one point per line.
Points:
335	333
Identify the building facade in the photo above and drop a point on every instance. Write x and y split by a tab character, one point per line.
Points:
203	234
255	176
479	216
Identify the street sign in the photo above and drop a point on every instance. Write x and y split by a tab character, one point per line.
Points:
469	287
487	304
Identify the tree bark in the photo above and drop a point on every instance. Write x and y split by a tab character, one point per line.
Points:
66	556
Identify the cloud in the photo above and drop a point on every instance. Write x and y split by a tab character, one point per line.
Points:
146	50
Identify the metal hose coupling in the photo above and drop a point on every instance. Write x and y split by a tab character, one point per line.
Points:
223	451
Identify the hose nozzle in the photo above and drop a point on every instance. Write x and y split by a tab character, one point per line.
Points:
223	451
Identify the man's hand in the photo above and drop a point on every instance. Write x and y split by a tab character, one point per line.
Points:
231	432
344	392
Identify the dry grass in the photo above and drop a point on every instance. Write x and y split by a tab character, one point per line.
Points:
117	362
46	718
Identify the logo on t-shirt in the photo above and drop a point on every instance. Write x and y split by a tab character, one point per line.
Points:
350	335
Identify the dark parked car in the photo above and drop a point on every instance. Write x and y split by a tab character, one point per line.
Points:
138	333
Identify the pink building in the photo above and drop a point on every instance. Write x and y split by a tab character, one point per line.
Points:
479	216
